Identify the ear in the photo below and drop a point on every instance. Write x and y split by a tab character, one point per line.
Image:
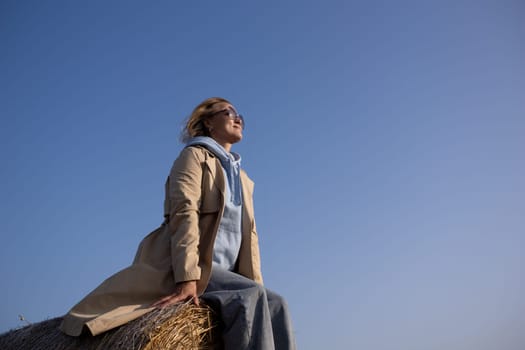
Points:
207	126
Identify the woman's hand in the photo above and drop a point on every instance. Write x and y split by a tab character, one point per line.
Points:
183	291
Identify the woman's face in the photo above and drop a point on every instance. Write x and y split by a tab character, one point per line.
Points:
225	125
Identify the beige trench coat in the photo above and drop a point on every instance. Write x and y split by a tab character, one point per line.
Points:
179	250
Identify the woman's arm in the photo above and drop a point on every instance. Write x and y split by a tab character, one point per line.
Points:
184	195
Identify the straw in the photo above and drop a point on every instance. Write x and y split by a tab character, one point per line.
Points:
183	326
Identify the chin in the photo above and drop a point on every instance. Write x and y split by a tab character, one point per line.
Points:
236	138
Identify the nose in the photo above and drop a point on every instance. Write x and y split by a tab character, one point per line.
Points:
239	120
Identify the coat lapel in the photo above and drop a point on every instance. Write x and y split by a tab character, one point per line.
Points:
217	176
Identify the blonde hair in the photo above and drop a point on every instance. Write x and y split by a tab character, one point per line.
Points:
195	122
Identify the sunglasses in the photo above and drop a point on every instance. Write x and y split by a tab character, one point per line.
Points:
230	113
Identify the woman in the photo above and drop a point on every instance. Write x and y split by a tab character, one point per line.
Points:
207	246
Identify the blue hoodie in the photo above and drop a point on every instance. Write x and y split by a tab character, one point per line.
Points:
229	235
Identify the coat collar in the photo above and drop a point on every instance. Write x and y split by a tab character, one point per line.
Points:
214	166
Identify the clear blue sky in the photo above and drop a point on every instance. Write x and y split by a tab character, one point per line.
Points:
386	140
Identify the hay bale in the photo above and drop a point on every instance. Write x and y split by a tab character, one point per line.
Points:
182	326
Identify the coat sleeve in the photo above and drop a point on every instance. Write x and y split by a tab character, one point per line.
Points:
183	195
